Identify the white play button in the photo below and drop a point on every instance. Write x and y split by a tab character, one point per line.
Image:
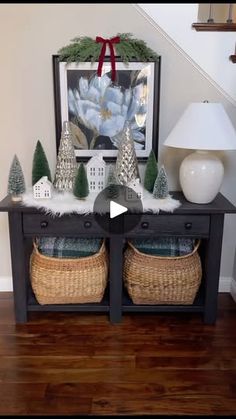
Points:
116	209
115	200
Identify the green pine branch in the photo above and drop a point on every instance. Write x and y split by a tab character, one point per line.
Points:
83	48
132	48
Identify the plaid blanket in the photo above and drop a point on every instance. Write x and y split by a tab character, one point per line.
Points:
68	247
165	246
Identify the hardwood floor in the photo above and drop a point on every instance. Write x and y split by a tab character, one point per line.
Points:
80	364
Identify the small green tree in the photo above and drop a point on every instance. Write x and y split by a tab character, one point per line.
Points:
161	189
150	172
81	188
40	164
16	181
112	188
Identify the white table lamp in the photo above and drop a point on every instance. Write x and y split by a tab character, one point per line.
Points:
203	127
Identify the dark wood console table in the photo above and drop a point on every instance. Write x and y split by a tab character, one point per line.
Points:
191	220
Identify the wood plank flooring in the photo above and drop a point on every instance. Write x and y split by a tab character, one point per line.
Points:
80	364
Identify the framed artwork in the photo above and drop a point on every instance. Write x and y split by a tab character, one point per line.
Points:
97	108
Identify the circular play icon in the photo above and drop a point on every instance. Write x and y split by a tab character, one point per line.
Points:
122	205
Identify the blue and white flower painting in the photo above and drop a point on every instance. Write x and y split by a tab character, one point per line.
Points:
99	108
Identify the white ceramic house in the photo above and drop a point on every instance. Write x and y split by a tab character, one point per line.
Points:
134	190
96	171
43	188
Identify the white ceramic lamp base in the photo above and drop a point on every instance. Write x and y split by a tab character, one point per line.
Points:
201	175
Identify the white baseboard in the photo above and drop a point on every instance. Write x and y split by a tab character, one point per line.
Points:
6	283
233	289
227	284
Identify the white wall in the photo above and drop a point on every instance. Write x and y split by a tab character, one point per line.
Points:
210	50
29	35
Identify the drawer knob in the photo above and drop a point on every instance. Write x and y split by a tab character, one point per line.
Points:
44	224
145	225
87	224
188	226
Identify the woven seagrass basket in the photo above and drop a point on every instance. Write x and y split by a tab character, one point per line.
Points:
161	280
62	281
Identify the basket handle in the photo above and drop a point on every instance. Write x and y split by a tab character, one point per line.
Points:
197	244
35	245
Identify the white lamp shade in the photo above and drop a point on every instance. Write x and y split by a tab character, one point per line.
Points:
203	126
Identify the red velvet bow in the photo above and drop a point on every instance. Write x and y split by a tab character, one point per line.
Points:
110	43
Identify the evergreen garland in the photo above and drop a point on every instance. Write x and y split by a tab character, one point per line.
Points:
16	181
40	164
84	48
161	189
81	189
150	172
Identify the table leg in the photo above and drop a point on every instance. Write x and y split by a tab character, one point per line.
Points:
116	264
212	267
18	266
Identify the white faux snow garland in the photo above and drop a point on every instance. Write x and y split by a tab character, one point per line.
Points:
66	203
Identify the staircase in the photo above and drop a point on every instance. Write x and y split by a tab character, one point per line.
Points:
209	51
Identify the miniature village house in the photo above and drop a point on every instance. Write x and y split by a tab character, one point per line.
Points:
96	168
134	190
43	188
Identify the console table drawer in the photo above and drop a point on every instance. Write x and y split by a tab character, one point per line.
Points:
38	224
174	225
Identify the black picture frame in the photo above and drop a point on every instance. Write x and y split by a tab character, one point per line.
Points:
61	76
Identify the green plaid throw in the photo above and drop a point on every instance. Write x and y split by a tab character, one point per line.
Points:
165	246
68	247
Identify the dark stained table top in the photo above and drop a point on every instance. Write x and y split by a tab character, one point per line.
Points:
220	205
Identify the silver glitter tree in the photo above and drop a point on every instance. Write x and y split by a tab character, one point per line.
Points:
126	163
66	166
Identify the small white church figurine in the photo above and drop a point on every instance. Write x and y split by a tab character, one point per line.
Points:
134	190
96	171
43	188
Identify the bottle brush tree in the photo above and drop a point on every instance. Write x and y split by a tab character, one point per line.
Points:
161	190
40	164
81	188
112	188
16	181
150	172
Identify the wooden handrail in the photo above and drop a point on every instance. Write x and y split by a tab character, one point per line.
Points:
220	27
